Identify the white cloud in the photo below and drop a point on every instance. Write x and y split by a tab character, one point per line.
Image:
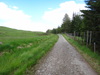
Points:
7	13
15	7
18	19
55	16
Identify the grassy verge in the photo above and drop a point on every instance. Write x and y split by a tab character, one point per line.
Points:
22	49
91	57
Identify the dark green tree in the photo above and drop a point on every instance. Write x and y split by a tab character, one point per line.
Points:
48	31
58	30
92	20
54	31
77	23
92	15
65	27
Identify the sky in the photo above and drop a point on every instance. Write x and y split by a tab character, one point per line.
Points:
37	15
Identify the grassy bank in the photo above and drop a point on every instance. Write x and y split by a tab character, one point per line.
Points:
20	50
91	57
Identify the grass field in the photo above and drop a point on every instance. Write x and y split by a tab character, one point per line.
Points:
90	56
19	50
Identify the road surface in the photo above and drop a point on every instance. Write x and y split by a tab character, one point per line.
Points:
63	59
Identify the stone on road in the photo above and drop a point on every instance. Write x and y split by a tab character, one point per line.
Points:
63	59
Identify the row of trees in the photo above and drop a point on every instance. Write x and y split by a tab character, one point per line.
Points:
69	26
88	21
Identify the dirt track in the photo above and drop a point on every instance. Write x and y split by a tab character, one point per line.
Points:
63	59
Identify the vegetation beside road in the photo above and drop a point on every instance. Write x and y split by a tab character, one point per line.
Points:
90	56
19	50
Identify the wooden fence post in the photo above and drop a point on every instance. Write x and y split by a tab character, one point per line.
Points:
94	47
87	37
84	37
74	35
90	38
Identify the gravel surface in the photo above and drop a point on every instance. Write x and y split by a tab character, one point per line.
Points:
63	59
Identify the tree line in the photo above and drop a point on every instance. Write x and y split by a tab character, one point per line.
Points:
88	21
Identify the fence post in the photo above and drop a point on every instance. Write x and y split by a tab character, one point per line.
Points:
84	37
90	37
74	35
94	47
87	37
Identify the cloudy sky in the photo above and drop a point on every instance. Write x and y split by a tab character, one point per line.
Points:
37	15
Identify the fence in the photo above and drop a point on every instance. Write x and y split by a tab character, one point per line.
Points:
89	38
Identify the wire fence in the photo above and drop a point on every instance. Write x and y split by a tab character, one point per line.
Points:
89	38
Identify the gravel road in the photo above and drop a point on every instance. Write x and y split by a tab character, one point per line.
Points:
63	59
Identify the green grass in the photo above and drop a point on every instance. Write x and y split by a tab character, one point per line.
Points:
22	49
90	56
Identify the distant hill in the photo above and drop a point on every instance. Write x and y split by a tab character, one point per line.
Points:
5	32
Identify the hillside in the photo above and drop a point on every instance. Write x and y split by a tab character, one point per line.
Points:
8	36
7	32
19	50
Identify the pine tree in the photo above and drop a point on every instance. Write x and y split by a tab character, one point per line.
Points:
92	15
92	20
